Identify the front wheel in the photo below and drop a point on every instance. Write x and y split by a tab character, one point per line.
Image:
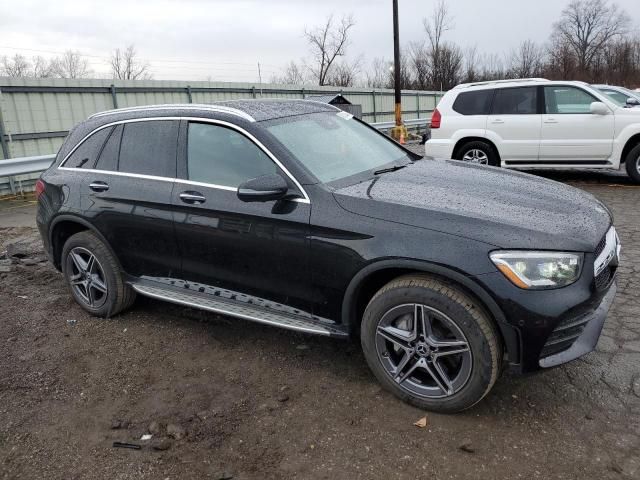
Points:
478	152
632	163
430	345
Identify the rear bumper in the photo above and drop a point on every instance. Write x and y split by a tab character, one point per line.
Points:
437	148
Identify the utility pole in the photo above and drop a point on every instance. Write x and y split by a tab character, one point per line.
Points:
399	132
260	78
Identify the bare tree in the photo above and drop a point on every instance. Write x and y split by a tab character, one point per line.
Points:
379	74
126	66
526	60
328	42
345	73
292	74
586	26
41	67
471	65
16	66
420	62
70	65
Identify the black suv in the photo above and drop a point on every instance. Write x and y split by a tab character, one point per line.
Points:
296	214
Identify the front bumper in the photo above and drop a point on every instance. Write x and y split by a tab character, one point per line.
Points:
587	340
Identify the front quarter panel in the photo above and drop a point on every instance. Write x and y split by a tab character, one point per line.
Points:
343	243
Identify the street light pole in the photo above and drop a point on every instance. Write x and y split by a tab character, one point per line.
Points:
399	132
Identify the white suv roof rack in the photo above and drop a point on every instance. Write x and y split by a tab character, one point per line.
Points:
492	82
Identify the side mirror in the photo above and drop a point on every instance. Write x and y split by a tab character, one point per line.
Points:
632	102
263	189
599	108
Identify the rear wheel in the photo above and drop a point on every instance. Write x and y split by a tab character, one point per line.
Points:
632	163
94	276
430	344
478	152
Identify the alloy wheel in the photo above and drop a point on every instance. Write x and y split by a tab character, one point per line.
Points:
423	351
86	277
476	156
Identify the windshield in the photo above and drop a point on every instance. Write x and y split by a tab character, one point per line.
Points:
335	145
615	96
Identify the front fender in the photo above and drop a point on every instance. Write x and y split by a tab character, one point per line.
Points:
509	334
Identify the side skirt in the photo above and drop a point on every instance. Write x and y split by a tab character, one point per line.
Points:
236	305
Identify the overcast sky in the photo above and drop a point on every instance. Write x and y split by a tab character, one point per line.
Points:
224	40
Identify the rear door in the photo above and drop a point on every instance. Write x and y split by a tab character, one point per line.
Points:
127	196
515	122
570	132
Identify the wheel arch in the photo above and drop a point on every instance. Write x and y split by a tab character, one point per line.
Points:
372	277
460	143
64	226
628	146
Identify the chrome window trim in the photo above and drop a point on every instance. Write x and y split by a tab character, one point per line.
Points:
257	142
186	106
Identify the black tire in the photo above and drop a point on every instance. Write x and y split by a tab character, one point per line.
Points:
478	145
482	338
107	272
632	163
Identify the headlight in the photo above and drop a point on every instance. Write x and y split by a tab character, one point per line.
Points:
538	270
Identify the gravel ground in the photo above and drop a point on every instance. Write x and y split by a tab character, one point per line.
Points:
226	398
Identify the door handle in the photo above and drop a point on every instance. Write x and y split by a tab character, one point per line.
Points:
99	186
192	197
497	120
550	120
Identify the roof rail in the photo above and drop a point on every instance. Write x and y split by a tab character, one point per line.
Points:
181	106
491	82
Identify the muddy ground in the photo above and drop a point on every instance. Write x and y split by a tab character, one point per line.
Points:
226	398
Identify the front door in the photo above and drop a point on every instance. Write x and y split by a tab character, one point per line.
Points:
255	251
570	132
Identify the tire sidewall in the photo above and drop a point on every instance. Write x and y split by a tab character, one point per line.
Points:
93	245
480	379
632	162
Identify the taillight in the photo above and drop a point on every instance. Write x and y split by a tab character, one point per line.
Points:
39	188
436	118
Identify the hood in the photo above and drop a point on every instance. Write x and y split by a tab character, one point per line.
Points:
504	208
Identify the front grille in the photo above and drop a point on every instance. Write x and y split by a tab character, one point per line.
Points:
603	278
564	335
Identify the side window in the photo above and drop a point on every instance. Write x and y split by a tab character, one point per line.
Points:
473	103
86	154
515	101
223	156
149	148
563	99
108	159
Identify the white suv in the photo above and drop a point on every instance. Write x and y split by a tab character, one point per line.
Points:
535	123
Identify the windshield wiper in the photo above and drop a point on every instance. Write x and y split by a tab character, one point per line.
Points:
389	169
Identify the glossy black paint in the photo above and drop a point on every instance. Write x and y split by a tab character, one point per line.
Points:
436	217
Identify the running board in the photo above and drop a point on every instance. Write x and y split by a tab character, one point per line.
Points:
245	311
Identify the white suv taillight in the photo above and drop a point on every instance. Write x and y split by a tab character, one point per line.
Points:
436	118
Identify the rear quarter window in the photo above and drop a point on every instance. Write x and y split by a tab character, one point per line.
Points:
473	103
86	154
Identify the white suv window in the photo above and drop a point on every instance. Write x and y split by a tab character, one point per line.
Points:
563	99
515	101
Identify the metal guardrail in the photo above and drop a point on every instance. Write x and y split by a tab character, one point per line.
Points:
26	165
413	123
